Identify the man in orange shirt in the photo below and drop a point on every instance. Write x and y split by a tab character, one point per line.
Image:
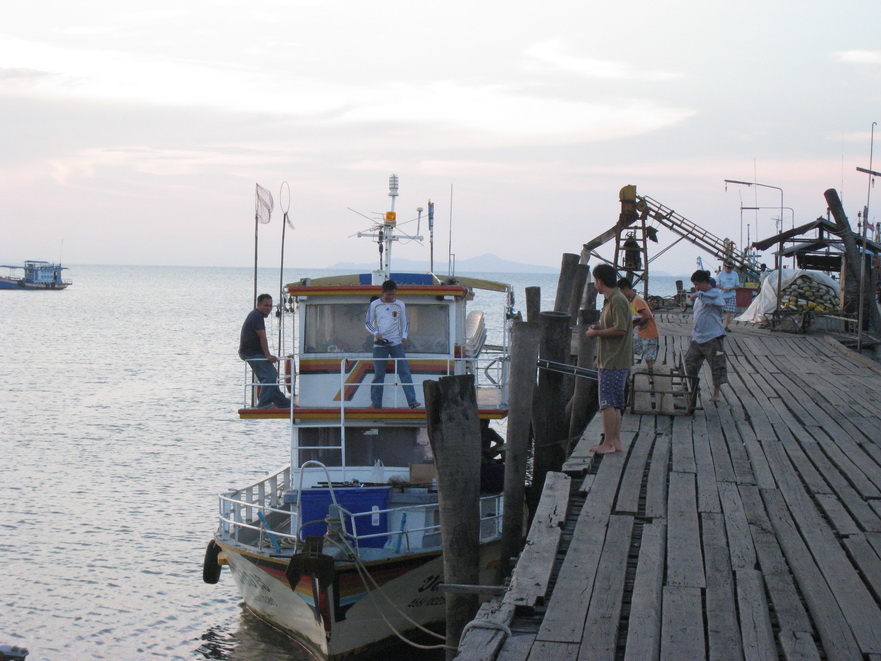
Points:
645	342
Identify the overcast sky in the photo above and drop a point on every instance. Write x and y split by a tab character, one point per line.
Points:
135	133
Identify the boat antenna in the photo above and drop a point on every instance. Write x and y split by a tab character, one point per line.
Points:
450	256
431	236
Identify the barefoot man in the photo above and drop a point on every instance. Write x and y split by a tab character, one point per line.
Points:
614	356
708	334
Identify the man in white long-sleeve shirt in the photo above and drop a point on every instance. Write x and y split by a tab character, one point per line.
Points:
387	323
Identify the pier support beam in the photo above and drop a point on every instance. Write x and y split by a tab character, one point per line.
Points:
525	339
454	434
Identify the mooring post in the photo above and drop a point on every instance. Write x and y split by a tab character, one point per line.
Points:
582	272
525	339
533	303
566	282
584	400
454	434
549	423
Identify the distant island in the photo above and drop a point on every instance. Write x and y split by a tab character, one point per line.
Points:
487	263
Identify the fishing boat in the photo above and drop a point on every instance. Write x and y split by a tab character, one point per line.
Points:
34	275
341	549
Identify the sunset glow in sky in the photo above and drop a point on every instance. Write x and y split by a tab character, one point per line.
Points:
136	133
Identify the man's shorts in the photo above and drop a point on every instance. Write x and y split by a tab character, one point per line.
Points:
613	388
647	347
731	304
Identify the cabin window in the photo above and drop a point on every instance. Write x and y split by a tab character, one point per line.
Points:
429	328
335	328
393	446
339	328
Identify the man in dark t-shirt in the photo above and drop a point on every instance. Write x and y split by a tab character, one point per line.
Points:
254	348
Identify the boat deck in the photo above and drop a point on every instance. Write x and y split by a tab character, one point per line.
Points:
750	530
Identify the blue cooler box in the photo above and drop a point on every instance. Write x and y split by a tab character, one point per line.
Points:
315	503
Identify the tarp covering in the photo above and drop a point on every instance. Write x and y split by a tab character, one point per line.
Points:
766	301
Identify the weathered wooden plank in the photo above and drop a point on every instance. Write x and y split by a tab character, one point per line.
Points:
707	492
685	566
755	621
681	447
564	618
836	513
656	485
791	613
543	650
532	574
856	469
805	468
759	462
517	648
719	448
739	461
682	628
866	558
603	617
838	640
740	544
631	481
854	503
723	632
644	628
798	646
484	636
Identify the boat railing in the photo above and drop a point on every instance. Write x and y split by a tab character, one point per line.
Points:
260	515
489	369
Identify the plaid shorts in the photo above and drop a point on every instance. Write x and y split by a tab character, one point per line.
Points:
613	388
647	347
731	304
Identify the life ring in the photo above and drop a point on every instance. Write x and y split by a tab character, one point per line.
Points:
211	566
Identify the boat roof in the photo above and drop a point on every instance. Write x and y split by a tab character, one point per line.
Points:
408	283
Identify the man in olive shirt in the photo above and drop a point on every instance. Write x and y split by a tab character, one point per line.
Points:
614	356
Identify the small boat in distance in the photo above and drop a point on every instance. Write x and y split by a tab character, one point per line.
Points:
36	275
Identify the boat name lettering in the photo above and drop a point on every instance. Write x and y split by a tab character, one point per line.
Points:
431	583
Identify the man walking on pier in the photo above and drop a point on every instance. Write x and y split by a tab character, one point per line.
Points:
614	356
708	334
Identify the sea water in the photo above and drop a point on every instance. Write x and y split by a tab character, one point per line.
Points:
118	428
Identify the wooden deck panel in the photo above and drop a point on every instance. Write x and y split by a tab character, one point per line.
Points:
751	530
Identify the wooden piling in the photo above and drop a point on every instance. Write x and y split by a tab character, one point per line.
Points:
454	434
566	282
549	422
583	405
582	272
533	303
525	338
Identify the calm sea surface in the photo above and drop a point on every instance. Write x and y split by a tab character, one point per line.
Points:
118	427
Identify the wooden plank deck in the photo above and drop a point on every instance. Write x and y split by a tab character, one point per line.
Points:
751	530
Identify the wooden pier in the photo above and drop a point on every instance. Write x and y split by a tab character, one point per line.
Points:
750	530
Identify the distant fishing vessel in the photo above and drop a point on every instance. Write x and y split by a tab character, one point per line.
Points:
34	275
342	549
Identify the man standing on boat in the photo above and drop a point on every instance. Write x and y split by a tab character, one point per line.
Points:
708	334
387	323
254	348
728	282
614	356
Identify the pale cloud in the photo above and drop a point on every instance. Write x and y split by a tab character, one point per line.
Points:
501	113
858	56
553	56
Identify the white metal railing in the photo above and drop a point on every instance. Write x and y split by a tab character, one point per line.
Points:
248	509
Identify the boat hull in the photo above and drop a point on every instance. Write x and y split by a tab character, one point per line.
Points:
338	622
11	283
